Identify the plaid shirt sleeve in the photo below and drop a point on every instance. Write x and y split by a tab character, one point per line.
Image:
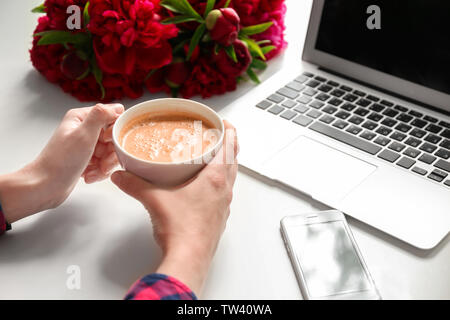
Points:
4	226
159	287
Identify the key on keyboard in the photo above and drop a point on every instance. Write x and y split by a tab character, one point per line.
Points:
420	171
446	133
389	156
406	162
288	93
346	138
428	159
382	141
442	153
264	104
431	138
275	98
433	128
445	144
427	147
302	120
276	109
444	165
289	104
316	104
295	86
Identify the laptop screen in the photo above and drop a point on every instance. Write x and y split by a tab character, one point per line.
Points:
408	39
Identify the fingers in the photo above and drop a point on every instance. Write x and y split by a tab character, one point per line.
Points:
224	163
231	143
230	147
100	150
234	143
93	175
132	185
101	117
106	135
102	163
108	163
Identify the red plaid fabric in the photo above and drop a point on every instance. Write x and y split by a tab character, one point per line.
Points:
159	287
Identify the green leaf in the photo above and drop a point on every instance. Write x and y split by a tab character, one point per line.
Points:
260	43
98	75
196	39
227	4
86	17
231	53
252	75
183	7
60	37
206	37
258	64
216	49
82	55
209	6
152	72
254	48
178	19
267	49
179	46
191	10
256	29
240	79
173	8
39	9
84	75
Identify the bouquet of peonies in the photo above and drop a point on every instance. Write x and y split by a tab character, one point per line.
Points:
104	50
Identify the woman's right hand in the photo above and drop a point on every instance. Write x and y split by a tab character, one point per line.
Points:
189	220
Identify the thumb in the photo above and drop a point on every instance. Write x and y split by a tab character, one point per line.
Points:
132	185
101	116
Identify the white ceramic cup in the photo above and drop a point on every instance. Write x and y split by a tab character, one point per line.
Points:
166	173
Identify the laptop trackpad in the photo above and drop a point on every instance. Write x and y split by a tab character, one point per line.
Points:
316	169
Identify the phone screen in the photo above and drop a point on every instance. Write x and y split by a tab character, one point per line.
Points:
329	262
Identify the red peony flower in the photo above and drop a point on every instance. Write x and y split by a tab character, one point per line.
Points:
129	35
73	67
195	53
156	82
48	59
132	49
223	25
57	12
246	7
230	68
177	73
263	11
206	81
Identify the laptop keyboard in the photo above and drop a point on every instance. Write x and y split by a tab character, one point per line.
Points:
393	133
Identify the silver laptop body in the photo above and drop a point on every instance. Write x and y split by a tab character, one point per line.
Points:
376	157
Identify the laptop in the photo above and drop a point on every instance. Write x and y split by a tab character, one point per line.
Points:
363	125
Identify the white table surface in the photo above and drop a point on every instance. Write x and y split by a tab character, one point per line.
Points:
109	235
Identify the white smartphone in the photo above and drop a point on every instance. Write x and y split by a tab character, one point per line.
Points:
325	257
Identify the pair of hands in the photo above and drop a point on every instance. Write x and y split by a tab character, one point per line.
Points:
188	220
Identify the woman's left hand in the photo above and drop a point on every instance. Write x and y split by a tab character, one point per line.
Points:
80	147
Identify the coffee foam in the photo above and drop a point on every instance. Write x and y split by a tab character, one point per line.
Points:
168	136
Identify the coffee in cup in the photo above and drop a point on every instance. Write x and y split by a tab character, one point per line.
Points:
168	136
167	141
